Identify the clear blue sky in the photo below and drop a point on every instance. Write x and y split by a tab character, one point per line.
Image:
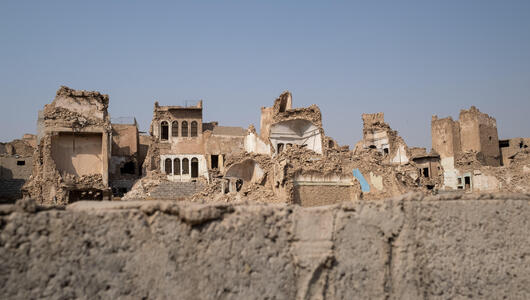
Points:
409	59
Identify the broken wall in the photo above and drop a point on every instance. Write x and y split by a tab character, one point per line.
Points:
72	157
16	164
478	133
316	189
77	154
378	135
509	149
408	248
296	132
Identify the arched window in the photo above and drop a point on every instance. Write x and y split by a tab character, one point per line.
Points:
194	167
164	131
184	128
176	166
185	166
167	166
193	128
175	129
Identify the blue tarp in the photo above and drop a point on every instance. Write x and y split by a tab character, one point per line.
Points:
365	187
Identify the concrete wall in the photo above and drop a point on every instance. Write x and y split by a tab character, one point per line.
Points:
78	153
411	248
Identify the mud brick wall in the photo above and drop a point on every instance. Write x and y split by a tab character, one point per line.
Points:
404	248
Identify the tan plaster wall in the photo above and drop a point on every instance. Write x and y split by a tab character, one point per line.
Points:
265	122
10	170
489	141
78	154
445	136
124	140
316	195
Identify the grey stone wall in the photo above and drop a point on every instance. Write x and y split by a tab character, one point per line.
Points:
407	248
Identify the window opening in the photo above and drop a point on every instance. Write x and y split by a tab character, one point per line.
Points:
167	166
193	128
467	182
194	167
164	131
175	129
185	166
184	128
127	168
176	166
215	161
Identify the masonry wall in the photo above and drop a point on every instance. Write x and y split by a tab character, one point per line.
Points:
445	135
124	140
316	195
409	248
78	154
15	168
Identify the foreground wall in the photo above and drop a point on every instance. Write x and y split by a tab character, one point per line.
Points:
408	248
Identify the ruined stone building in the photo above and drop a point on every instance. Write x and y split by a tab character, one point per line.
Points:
378	135
71	161
16	163
289	161
79	153
283	126
127	155
473	158
184	148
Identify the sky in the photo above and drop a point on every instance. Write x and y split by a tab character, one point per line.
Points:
408	59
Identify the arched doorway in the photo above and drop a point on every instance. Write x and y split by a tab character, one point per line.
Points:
167	166
185	166
194	167
176	166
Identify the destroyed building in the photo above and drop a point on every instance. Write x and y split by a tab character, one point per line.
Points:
184	153
16	163
125	166
283	126
80	154
184	148
378	135
71	160
472	157
290	161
